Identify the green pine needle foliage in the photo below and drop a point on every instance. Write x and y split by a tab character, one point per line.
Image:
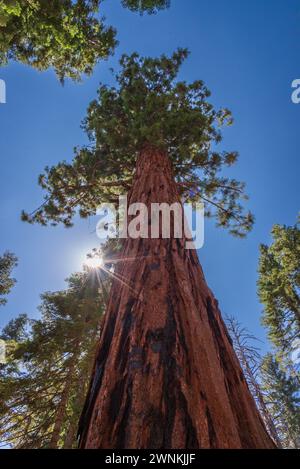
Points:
149	6
68	36
46	375
281	393
148	106
7	263
279	285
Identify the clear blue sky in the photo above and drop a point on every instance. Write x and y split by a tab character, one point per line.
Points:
247	52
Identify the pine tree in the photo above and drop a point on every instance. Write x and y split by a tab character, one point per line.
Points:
44	381
251	360
68	36
165	374
7	262
281	390
279	284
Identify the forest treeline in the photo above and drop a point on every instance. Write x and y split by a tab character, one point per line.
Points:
48	360
48	364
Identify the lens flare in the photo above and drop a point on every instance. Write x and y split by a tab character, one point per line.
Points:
94	262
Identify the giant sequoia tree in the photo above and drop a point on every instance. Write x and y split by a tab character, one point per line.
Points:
67	35
165	374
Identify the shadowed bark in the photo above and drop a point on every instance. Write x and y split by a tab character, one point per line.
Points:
166	375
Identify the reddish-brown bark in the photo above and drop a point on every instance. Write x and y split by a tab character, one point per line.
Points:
165	374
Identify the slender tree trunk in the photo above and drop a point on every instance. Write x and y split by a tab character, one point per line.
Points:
166	375
260	401
249	374
70	437
61	409
82	385
268	418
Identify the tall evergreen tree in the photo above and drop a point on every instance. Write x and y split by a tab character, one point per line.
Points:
7	262
66	35
279	285
44	382
165	374
281	390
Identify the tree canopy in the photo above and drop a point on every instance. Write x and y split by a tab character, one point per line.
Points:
7	262
279	285
68	36
49	360
281	390
148	106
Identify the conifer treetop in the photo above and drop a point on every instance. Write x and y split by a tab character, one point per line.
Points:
148	106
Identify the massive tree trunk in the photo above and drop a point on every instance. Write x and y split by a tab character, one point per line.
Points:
166	375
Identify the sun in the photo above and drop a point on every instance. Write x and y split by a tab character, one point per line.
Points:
94	262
